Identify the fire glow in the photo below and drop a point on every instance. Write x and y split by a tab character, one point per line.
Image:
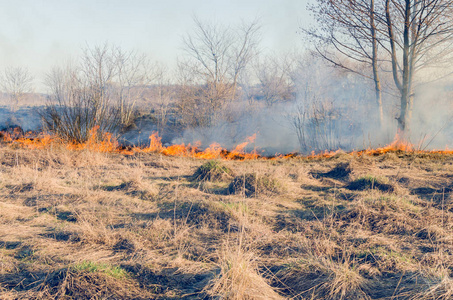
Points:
108	144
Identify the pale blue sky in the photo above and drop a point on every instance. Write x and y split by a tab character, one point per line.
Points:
42	33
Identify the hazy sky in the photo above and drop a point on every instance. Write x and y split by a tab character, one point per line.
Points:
42	33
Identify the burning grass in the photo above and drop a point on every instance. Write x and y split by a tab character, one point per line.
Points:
106	143
87	224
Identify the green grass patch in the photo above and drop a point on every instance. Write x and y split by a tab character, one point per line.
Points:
236	207
94	267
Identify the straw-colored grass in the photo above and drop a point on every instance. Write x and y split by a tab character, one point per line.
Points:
82	225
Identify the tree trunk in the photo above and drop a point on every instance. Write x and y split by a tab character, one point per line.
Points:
404	118
377	81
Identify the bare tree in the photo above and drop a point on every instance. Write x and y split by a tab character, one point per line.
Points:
193	108
406	35
216	57
245	48
347	35
315	117
163	94
99	92
274	75
420	36
74	107
133	74
16	82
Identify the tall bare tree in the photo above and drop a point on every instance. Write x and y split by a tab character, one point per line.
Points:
163	96
399	36
275	80
133	74
216	57
420	35
347	37
16	82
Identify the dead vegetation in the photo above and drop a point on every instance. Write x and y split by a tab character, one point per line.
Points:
212	171
253	184
86	225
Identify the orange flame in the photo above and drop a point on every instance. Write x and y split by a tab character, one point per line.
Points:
28	141
155	142
108	144
212	152
40	141
398	144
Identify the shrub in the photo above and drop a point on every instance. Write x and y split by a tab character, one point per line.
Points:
101	92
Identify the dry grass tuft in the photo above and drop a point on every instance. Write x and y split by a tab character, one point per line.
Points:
90	281
345	281
84	225
252	184
371	182
340	171
136	188
239	277
438	285
325	278
212	171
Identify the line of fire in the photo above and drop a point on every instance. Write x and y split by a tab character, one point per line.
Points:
107	143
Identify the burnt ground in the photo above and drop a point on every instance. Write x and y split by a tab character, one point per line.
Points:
85	225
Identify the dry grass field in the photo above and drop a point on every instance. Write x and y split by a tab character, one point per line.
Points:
87	225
